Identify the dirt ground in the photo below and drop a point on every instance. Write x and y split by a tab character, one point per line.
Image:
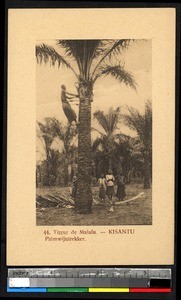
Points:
137	212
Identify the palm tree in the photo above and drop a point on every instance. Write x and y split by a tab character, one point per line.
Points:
109	125
92	59
123	154
44	133
50	131
142	124
67	135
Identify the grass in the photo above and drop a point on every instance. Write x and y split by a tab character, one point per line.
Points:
137	212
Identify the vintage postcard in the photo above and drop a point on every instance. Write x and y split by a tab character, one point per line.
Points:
91	114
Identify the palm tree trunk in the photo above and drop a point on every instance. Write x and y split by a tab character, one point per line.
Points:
146	175
83	201
66	173
110	163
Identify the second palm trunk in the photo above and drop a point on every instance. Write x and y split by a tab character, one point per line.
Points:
83	201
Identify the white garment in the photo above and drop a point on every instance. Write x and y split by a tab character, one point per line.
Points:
110	180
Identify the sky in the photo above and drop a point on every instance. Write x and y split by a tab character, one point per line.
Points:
107	91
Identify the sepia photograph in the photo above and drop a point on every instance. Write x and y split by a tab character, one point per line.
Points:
93	132
91	137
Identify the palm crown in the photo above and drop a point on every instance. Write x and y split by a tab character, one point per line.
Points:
109	125
92	58
142	124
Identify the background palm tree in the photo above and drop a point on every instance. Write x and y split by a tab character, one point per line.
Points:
109	125
91	60
142	124
123	155
53	131
67	135
44	133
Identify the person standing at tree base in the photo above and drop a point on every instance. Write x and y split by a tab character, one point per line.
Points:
110	187
102	188
74	187
121	180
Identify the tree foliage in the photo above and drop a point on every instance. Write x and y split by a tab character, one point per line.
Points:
142	124
92	58
57	161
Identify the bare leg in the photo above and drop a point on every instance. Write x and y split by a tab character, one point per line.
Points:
111	209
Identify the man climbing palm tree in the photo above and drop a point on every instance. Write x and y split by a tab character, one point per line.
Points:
69	112
91	60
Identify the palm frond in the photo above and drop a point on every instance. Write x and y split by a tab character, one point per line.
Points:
98	131
148	111
112	47
134	120
76	48
46	135
83	52
45	53
96	144
108	121
142	124
117	46
114	118
102	120
119	73
53	130
57	129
